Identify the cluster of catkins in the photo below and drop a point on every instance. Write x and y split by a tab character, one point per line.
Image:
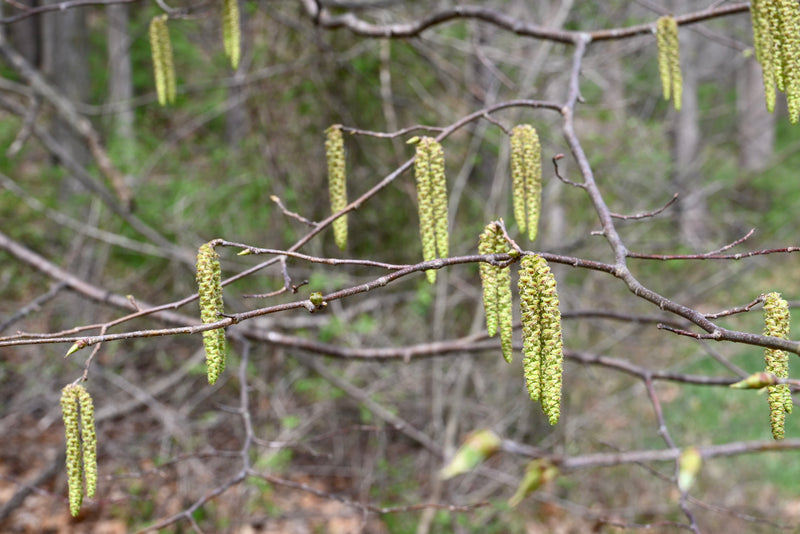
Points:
496	281
776	36
776	324
161	49
526	178
209	282
432	200
669	59
78	413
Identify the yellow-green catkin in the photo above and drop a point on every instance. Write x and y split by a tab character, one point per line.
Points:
776	38
439	198
78	414
337	181
790	29
541	335
669	63
432	201
776	324
762	42
231	31
526	178
209	282
496	282
163	64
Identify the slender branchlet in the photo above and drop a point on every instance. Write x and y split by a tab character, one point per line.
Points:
78	413
209	282
776	324
669	63
431	199
163	65
496	282
337	181
526	178
231	31
541	335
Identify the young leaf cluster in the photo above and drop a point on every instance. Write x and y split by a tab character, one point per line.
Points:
432	201
526	178
541	335
669	59
337	181
496	282
776	324
776	37
209	282
78	413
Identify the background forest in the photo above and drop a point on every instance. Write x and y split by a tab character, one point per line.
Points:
341	420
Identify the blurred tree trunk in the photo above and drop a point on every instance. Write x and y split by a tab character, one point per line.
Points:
120	79
692	209
66	64
756	125
25	34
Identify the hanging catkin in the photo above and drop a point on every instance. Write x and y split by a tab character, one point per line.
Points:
669	63
337	181
431	200
231	31
163	65
526	178
541	335
209	282
77	411
776	324
496	282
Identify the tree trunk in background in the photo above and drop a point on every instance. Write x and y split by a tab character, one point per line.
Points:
237	119
692	209
66	64
25	34
120	80
756	125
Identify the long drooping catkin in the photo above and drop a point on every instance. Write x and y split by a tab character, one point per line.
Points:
337	181
231	31
526	178
496	282
163	65
78	413
776	324
669	63
209	282
432	200
541	335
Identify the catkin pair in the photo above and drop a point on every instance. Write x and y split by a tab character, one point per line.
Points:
78	414
669	63
541	335
776	38
432	201
209	282
337	181
776	324
231	31
526	178
496	282
163	65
